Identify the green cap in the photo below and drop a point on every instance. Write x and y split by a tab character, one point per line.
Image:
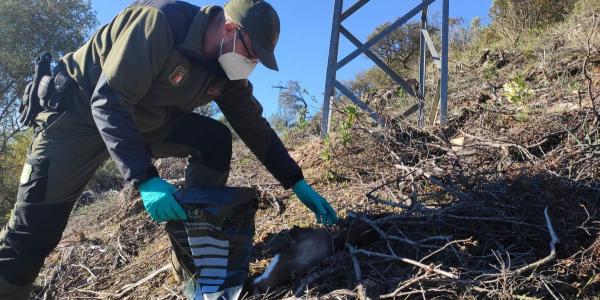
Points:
260	21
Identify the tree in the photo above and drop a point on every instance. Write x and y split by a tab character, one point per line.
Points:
293	105
29	28
399	49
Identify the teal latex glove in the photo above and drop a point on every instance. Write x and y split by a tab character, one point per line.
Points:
157	195
324	213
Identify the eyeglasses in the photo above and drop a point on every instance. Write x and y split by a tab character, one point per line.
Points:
253	58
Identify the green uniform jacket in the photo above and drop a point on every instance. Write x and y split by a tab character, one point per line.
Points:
145	69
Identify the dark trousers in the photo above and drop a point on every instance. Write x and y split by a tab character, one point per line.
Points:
63	157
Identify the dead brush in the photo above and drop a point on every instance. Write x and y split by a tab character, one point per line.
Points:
499	216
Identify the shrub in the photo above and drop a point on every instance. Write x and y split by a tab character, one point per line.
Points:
351	113
12	159
517	91
585	8
513	18
106	178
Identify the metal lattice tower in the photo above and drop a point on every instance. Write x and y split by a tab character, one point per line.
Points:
426	43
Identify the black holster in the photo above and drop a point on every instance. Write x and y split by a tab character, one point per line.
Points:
45	91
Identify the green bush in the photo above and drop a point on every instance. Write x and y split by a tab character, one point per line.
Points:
327	153
351	113
12	158
519	94
517	91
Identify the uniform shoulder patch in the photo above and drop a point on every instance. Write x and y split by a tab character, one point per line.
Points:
178	75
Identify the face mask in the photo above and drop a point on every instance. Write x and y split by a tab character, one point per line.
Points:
236	66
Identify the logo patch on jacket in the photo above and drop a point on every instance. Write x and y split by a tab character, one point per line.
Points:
178	76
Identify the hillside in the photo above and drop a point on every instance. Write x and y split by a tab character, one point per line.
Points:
504	197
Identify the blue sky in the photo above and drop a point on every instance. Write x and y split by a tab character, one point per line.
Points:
304	40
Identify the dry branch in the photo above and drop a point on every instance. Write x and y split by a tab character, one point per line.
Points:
408	261
551	256
127	288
